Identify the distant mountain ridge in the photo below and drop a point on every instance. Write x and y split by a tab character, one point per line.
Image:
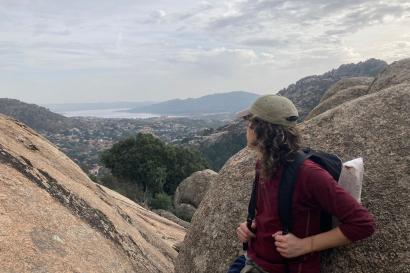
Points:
37	117
307	92
64	107
230	102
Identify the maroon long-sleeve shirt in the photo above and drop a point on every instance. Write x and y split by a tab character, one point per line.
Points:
315	190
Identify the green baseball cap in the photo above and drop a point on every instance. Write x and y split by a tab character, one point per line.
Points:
273	109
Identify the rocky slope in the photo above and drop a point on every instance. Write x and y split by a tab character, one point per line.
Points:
338	98
53	218
218	146
307	92
346	83
374	126
396	73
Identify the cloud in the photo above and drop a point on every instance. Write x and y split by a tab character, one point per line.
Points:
235	43
327	17
266	42
367	15
155	17
217	61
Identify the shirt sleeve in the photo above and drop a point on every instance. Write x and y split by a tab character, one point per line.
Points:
356	223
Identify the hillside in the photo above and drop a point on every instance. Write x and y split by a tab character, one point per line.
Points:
53	218
37	117
231	102
307	92
218	145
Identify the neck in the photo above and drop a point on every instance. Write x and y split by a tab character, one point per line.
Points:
258	153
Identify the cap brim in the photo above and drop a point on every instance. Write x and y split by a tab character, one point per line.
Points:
243	113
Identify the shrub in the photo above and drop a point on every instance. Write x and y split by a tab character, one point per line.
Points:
161	201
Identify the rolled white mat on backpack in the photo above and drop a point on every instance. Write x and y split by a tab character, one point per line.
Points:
351	177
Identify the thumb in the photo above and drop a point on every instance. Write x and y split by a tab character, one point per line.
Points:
253	226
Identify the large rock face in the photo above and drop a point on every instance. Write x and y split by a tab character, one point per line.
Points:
191	191
374	126
396	73
338	98
346	83
53	218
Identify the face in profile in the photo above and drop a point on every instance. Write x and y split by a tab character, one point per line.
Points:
250	136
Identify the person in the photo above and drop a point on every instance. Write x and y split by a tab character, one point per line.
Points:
272	133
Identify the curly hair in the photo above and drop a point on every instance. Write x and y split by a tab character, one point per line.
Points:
277	143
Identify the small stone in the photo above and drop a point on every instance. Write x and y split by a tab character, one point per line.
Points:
58	239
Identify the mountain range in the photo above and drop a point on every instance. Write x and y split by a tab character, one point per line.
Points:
230	102
65	107
307	92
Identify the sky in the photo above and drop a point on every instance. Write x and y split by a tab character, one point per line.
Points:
59	51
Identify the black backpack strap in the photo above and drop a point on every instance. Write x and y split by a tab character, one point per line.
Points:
252	206
286	189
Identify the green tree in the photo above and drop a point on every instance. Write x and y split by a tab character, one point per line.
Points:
154	176
151	163
181	164
136	159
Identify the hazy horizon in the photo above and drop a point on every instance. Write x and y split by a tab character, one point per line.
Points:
134	51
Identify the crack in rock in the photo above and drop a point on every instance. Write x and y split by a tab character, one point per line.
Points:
95	218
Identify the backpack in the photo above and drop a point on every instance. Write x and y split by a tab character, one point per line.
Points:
330	162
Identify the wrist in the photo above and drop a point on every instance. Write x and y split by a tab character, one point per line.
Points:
308	245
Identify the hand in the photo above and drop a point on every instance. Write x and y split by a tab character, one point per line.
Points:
243	232
290	246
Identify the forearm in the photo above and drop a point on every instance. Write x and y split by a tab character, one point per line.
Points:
325	240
